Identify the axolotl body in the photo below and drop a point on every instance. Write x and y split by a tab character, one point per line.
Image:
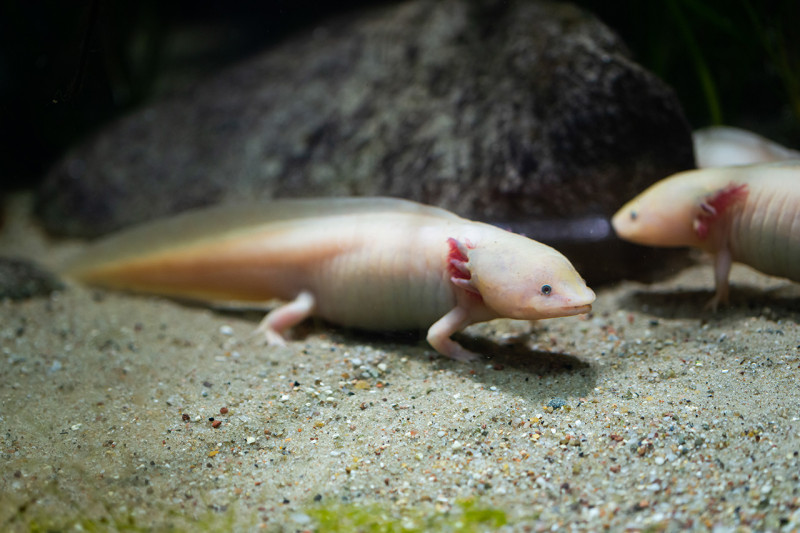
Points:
369	263
748	214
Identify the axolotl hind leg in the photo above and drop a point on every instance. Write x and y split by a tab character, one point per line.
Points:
284	317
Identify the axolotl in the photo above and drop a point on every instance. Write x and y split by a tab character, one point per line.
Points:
367	263
749	214
723	146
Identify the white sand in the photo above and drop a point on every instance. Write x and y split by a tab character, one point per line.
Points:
674	417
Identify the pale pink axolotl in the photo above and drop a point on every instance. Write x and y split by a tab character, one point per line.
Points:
724	146
749	214
370	263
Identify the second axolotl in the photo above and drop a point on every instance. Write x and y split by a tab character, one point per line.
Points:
749	214
369	263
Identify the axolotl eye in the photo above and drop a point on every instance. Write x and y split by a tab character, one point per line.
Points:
546	290
633	215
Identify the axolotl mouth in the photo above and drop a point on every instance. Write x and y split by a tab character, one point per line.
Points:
578	303
566	310
574	310
581	303
578	309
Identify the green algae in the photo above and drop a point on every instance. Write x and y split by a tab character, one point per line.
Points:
467	516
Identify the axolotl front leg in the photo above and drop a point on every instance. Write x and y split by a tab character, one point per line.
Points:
713	223
439	335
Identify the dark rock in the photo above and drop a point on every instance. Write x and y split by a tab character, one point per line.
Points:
21	279
507	111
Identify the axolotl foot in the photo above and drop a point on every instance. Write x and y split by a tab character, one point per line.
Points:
284	317
459	353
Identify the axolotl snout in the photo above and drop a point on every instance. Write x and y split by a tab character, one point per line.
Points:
369	263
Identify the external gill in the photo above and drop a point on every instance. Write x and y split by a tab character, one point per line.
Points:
717	204
458	266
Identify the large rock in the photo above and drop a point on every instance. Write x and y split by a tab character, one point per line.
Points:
507	111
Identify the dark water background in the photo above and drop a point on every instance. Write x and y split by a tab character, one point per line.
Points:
67	68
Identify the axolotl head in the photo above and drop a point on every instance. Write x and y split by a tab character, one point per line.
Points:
521	278
664	214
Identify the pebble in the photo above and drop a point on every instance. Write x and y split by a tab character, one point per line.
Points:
300	518
556	403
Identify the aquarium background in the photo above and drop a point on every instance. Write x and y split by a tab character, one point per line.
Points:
68	68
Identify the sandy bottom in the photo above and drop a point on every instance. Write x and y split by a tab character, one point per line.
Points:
131	412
